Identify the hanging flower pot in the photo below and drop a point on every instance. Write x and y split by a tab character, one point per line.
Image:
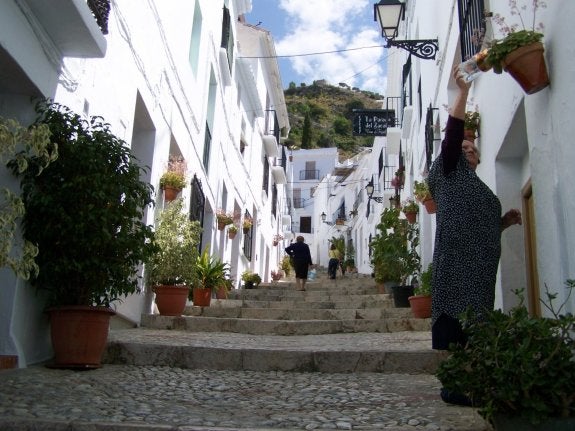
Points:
170	193
469	135
430	206
411	217
527	66
274	243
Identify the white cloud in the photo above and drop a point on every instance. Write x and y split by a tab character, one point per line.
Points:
334	25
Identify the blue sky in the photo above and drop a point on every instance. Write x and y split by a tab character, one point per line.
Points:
313	26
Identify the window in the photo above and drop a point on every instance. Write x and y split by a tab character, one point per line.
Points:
197	205
248	240
266	179
194	54
471	26
305	224
228	37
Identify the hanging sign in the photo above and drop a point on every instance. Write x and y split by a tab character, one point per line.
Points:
372	122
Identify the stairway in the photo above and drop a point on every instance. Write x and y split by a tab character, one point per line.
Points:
341	325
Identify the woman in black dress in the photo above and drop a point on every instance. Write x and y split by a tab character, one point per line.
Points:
301	258
468	235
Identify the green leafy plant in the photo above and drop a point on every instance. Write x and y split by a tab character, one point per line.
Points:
19	144
286	265
177	238
500	48
224	217
173	179
247	222
175	175
233	228
410	206
210	272
516	365
251	277
472	120
424	287
84	211
421	191
394	248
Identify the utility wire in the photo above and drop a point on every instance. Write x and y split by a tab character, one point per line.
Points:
315	53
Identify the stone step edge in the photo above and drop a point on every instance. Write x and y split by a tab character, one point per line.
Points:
255	359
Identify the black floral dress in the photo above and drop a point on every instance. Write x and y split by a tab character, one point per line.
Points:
467	239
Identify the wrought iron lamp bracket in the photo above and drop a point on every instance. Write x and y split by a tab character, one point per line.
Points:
421	48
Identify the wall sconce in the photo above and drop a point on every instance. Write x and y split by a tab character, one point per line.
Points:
339	223
389	13
369	190
323	217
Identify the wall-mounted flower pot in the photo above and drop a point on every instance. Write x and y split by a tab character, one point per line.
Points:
411	216
527	66
170	193
430	206
232	234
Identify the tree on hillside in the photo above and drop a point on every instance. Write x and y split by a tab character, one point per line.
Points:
306	134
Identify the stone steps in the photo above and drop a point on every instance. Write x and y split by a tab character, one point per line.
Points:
335	326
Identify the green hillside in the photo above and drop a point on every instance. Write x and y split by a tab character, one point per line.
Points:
321	116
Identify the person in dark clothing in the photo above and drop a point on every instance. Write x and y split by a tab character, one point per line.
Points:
301	258
468	235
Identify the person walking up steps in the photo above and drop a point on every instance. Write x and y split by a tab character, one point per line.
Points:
301	255
333	264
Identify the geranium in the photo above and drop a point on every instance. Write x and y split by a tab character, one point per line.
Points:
224	217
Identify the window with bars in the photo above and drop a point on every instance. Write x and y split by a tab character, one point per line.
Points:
227	37
471	26
248	239
429	135
197	204
266	179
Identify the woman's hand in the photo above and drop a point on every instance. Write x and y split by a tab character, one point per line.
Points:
511	217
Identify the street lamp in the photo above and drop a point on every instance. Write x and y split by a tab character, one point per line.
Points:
369	189
389	14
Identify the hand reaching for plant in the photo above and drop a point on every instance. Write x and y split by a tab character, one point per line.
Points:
511	217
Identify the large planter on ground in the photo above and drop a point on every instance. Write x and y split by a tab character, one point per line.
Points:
401	296
420	306
171	299
211	274
171	268
84	212
79	335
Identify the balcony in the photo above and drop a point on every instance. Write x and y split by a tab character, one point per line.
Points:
310	174
76	27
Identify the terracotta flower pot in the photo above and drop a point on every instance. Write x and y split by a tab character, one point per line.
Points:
411	217
202	297
79	335
221	225
231	234
469	135
170	193
430	206
527	66
420	306
171	300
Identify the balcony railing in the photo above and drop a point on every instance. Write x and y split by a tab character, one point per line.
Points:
101	10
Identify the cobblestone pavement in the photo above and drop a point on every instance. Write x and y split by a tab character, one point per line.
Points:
122	398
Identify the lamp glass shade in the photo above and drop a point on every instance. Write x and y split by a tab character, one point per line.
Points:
369	189
323	216
388	13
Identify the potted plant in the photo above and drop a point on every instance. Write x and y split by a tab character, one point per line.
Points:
277	274
251	279
399	178
169	271
394	250
232	231
520	52
420	302
423	195
471	125
286	265
410	209
18	143
276	239
223	218
84	212
247	223
211	274
174	179
518	369
223	291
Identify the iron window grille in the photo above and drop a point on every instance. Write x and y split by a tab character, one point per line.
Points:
472	26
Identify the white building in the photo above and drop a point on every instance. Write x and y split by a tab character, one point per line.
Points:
525	140
186	78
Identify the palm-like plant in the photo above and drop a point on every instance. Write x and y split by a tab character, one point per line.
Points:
210	272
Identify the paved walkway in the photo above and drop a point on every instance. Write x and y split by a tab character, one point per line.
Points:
128	397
